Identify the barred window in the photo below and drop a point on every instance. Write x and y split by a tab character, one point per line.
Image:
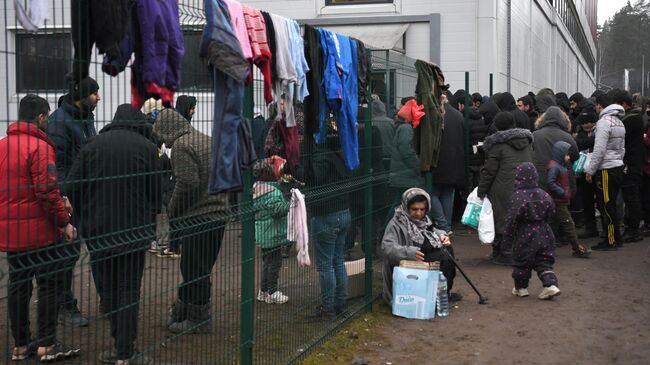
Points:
42	61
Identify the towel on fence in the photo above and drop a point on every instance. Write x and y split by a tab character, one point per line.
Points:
297	230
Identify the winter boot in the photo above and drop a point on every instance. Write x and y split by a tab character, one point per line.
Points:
198	321
177	312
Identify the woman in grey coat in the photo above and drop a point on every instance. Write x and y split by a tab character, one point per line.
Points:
410	235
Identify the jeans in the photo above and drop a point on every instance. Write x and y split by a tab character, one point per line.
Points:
442	206
608	183
271	264
120	274
199	253
46	264
329	233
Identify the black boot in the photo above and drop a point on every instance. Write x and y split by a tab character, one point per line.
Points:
632	235
177	313
198	320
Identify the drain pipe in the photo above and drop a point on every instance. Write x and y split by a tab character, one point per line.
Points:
509	46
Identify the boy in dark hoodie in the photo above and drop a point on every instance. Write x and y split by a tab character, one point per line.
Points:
527	228
560	185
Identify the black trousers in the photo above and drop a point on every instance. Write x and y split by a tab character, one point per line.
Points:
645	198
631	189
200	245
607	183
271	264
588	196
538	256
47	266
446	265
120	275
66	297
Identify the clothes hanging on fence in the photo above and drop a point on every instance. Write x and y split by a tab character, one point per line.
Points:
297	49
313	50
297	230
261	54
283	141
35	18
285	69
270	36
229	70
100	23
428	135
246	146
363	71
239	26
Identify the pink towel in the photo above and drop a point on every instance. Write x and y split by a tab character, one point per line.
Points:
239	26
297	230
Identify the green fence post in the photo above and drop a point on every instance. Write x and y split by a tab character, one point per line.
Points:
368	234
491	84
467	129
247	254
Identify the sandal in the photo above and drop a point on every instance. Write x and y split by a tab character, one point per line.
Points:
582	252
27	351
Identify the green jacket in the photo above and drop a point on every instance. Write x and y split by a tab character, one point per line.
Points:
271	209
428	134
404	166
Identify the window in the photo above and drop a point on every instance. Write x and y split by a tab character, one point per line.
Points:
42	61
356	2
195	75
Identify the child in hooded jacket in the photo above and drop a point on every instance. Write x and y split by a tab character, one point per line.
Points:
561	186
527	227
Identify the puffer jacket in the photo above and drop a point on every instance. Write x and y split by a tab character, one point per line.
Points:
31	208
559	181
505	150
191	161
609	145
271	209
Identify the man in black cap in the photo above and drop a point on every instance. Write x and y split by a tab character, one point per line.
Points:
70	127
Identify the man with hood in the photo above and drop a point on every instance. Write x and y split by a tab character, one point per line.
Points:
198	220
634	160
186	106
606	167
506	102
386	130
117	212
70	127
505	150
553	127
489	110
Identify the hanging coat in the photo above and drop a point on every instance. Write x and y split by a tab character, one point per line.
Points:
429	133
261	53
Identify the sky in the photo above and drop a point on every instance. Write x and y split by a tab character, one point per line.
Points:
607	8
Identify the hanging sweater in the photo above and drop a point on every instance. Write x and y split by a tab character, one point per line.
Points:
239	26
261	53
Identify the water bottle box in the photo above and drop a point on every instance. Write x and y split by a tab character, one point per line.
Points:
414	293
420	265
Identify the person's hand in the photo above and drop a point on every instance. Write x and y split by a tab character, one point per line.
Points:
70	232
588	178
419	255
446	242
67	205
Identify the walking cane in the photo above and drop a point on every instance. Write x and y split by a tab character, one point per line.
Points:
481	299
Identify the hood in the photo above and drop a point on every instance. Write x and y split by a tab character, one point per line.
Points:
526	176
412	193
506	102
489	110
517	138
169	126
378	109
554	117
559	150
183	105
543	102
128	118
613	110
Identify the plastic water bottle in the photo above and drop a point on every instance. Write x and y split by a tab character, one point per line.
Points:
442	303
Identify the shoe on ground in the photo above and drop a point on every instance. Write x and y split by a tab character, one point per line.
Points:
71	317
59	351
108	356
549	292
588	233
632	236
154	248
523	292
191	327
168	253
277	298
455	297
645	230
604	246
342	312
582	252
320	315
262	296
24	352
138	358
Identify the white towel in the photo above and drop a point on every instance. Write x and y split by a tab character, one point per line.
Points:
297	230
39	12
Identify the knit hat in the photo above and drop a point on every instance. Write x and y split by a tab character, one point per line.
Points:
587	116
411	112
84	88
504	121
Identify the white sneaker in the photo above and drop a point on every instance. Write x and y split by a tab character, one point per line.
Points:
277	298
549	292
523	292
154	248
262	296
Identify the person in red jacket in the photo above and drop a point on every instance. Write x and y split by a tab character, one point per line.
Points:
34	218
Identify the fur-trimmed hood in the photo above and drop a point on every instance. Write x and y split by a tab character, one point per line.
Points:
517	138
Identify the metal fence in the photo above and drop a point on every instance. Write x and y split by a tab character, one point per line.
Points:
237	324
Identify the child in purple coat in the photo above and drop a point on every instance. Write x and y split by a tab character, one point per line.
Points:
527	227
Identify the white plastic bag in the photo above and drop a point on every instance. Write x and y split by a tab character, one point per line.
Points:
472	210
486	223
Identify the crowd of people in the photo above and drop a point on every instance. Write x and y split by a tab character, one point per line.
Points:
122	186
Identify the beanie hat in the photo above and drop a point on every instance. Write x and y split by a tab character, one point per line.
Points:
504	121
84	88
411	112
588	116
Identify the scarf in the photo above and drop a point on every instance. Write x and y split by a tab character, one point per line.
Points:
417	230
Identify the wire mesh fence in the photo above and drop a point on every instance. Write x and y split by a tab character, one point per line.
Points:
161	271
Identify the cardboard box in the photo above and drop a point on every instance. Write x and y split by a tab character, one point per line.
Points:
420	265
356	278
415	292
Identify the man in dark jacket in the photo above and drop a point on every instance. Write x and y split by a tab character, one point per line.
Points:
506	102
526	105
477	133
115	185
186	106
70	127
449	175
586	193
489	110
197	220
553	127
634	160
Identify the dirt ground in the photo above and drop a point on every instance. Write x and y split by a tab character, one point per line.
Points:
601	317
